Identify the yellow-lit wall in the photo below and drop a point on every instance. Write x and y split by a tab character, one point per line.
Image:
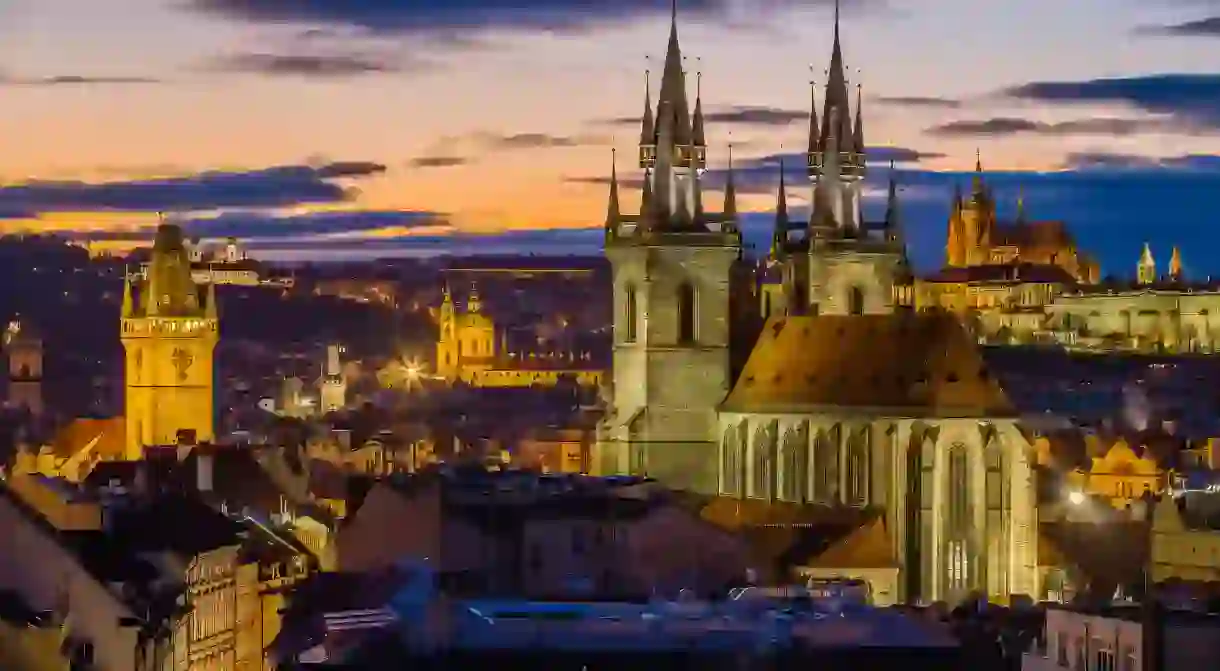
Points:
169	379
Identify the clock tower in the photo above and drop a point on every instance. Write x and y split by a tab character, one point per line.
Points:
169	331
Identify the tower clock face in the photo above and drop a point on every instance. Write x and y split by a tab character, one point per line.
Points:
182	360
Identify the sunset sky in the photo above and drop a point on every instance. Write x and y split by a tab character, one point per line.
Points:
318	128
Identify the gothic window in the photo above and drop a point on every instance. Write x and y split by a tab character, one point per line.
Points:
826	467
686	313
958	522
857	469
855	301
793	460
764	462
630	315
732	463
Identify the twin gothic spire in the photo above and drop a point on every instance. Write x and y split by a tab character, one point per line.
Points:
673	149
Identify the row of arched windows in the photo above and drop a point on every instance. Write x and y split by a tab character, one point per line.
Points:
793	456
684	308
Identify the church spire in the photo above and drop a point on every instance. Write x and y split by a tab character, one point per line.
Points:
836	98
648	131
730	192
128	305
779	236
1146	270
1175	265
698	138
858	132
612	207
812	151
473	303
978	172
893	231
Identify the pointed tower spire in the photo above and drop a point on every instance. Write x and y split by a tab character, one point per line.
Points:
473	303
648	130
1146	270
698	138
779	236
1175	265
892	224
128	309
612	207
730	192
811	153
858	132
836	95
978	189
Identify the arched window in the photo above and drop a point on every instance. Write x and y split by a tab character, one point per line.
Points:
763	476
630	315
958	521
857	469
732	466
855	301
826	468
794	460
686	313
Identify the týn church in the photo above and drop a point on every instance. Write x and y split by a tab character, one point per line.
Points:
847	435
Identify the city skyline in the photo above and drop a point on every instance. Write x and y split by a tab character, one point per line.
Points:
300	126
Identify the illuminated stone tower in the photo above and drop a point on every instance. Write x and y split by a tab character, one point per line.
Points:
1145	270
169	332
850	268
333	393
23	346
672	267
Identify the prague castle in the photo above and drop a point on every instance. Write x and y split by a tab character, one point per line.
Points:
169	329
851	408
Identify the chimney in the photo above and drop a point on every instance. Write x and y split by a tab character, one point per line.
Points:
203	470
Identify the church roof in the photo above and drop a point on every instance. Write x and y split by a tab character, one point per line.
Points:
921	364
1029	273
866	547
106	437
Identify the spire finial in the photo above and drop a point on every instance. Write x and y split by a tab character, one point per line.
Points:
673	13
978	159
698	77
836	20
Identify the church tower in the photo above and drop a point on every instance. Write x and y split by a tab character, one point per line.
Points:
850	269
1145	271
169	332
332	395
23	346
672	266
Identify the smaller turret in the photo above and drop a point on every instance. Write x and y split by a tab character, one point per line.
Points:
613	216
779	236
1175	265
1146	270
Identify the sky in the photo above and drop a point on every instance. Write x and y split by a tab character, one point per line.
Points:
318	129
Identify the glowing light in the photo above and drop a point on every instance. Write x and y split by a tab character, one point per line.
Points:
1076	498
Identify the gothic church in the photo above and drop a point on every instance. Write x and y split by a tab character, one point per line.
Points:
847	404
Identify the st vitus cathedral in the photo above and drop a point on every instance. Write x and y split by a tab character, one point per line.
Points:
849	409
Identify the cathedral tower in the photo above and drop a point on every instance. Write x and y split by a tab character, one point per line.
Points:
332	395
23	346
672	267
169	332
850	268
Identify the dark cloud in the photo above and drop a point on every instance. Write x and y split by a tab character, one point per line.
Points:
1091	126
1208	27
531	141
438	161
1193	99
761	174
1109	160
402	16
73	80
919	101
271	187
304	65
742	115
256	227
757	116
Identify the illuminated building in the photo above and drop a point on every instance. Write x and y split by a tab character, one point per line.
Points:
170	328
472	350
849	401
977	237
333	393
23	346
